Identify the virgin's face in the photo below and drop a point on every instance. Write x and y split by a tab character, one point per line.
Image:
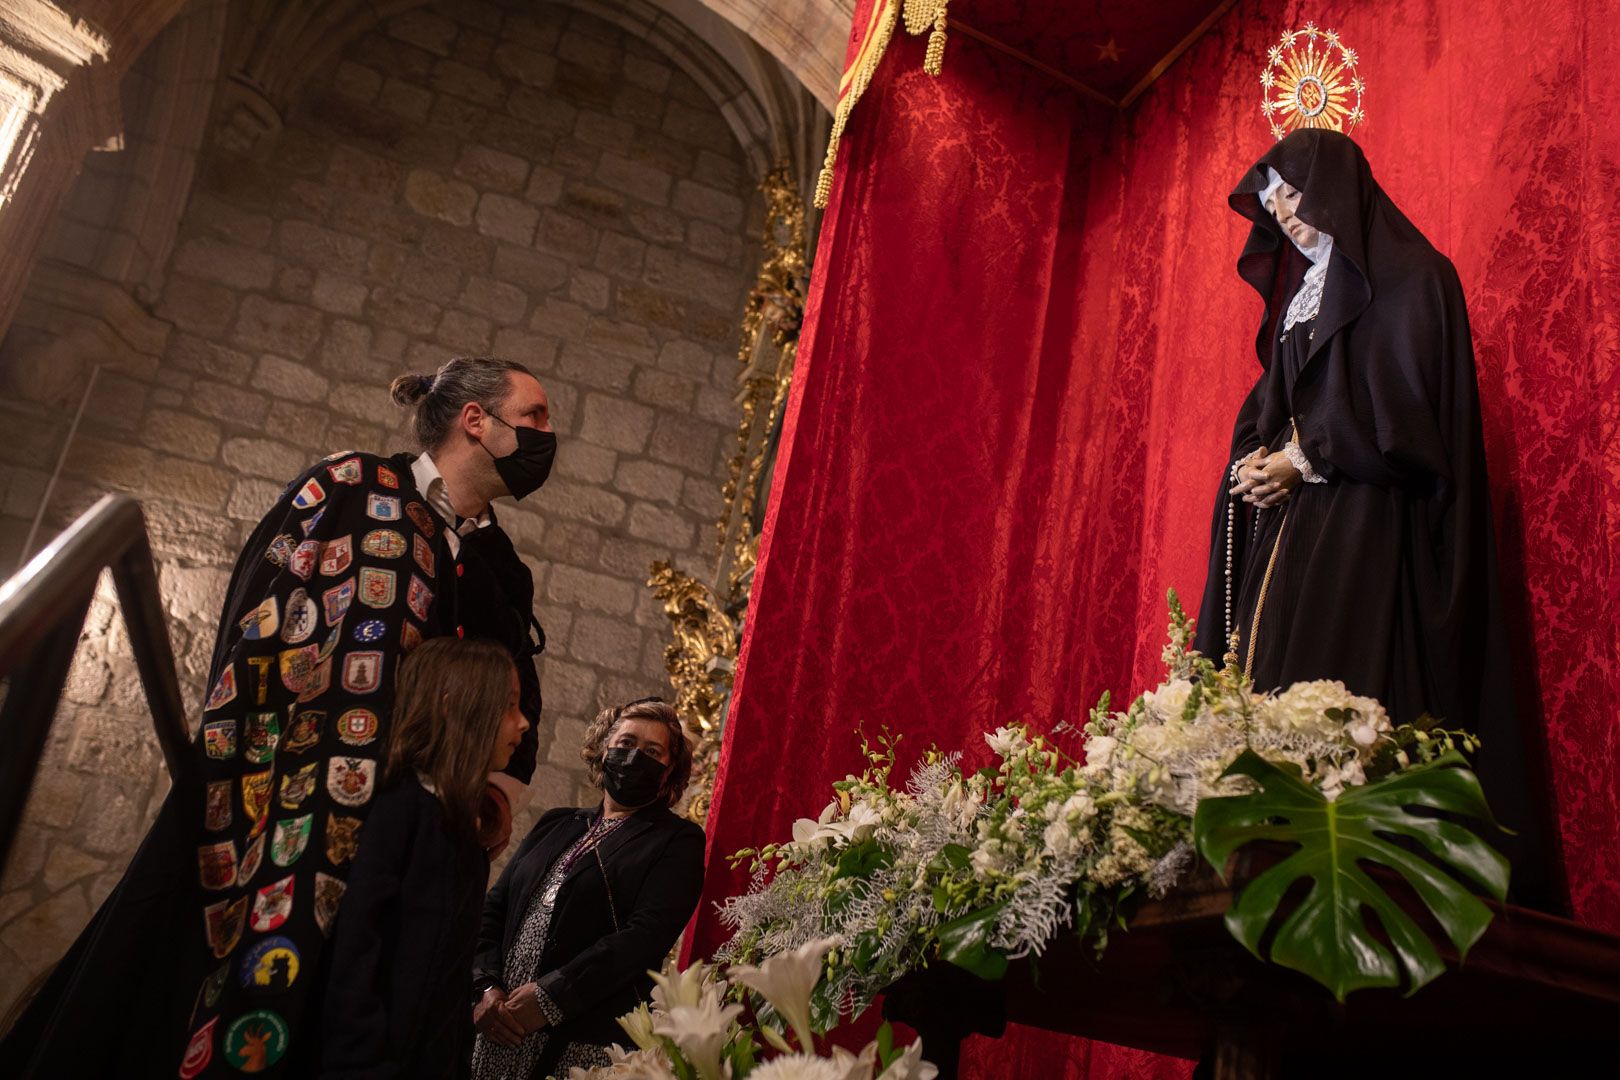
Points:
1284	201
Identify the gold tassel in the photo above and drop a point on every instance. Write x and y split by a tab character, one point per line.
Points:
934	58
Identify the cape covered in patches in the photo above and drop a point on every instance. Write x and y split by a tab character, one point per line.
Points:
203	959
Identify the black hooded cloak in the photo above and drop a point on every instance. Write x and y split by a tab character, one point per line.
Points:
1383	577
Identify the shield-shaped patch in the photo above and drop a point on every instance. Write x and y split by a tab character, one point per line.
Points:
216	865
346	472
261	622
309	523
382	507
297	786
421	518
357	727
302	617
336	601
336	555
387	477
272	904
349	780
224	922
320	681
418	597
290	839
280	550
409	637
219	739
342	838
297	666
309	495
261	736
376	587
199	1051
423	553
304	559
217	816
362	672
251	858
224	690
305	731
328	895
256	796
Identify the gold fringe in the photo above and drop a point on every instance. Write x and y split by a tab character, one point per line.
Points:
919	16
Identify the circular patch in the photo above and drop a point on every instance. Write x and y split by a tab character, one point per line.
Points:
256	1040
272	964
370	630
357	727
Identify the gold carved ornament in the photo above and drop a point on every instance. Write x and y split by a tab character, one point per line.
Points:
1310	81
699	661
921	16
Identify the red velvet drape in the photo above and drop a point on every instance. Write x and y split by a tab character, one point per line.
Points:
1025	346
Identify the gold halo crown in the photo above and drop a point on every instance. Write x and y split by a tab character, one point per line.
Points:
1310	81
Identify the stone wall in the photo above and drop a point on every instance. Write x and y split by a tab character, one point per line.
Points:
472	177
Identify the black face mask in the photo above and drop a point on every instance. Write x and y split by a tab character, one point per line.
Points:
525	469
631	777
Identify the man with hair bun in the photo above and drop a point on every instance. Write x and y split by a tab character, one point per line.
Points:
202	961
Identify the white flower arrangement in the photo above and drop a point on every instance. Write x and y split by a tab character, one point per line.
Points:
987	867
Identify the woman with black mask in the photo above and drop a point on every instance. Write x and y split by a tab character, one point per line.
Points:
1353	537
592	900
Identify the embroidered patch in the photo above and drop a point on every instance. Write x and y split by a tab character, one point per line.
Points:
290	839
199	1051
272	964
328	895
320	681
262	733
362	672
418	597
309	495
280	550
251	858
298	666
349	780
303	615
224	922
219	739
216	865
309	523
409	637
421	518
262	666
304	559
217	816
336	601
342	838
346	472
329	646
377	587
423	552
272	904
256	1041
305	731
383	544
297	786
214	985
382	507
336	555
357	727
387	477
370	630
224	690
256	797
261	622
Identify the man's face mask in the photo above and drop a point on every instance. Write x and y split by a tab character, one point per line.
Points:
525	469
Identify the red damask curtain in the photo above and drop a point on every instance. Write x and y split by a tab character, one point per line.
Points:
1026	343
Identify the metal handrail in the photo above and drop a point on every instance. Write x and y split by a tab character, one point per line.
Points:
42	612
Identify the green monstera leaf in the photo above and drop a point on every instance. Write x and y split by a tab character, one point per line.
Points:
1326	937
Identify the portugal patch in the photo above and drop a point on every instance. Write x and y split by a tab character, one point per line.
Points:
224	922
362	672
272	964
272	904
357	727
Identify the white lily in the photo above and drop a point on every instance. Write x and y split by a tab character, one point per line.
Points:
786	980
638	1024
855	1066
682	988
910	1066
700	1032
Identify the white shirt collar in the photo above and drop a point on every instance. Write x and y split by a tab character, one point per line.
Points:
430	482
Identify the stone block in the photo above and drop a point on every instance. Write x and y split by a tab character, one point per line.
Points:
463	247
711	204
658	225
559	319
590	289
285	379
640	181
720	245
655	523
322	247
424	29
590	53
269	459
566	688
603	130
187	482
224	262
464	333
503	303
289	329
457	115
679	273
648	74
347	350
718	406
40	935
491	169
170	432
621	256
687	359
626	339
722	171
251	498
338	295
375	219
649	480
595	205
632	558
354	169
702	496
293	283
699	127
533	351
595	367
406	100
533	271
567	541
412	314
545	186
616	424
579	502
465	81
522	64
589	464
527	140
200	307
507	218
663	390
545	109
300	425
440	197
368	403
356	82
228	221
614	644
565	235
686	442
590	591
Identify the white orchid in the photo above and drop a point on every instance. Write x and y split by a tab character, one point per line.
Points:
806	831
701	1032
861	822
786	981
